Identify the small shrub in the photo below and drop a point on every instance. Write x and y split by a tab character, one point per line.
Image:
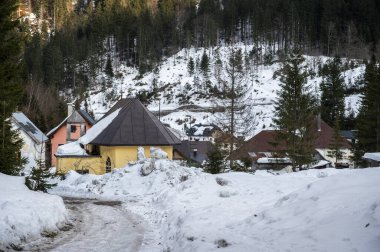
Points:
222	243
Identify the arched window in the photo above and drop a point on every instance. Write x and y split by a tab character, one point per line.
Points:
108	165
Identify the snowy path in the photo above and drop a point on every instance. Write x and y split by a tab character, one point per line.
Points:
97	226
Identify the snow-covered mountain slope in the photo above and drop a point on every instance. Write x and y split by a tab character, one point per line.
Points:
177	88
25	214
313	210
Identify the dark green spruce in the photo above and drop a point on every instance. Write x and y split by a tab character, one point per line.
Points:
368	121
332	87
295	111
10	87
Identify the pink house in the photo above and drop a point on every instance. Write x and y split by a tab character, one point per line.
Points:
73	127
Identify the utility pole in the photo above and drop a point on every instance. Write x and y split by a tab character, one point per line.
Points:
159	110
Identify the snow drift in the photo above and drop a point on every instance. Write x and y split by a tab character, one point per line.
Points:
25	214
314	210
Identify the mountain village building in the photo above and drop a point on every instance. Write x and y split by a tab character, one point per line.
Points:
34	145
115	139
265	151
69	130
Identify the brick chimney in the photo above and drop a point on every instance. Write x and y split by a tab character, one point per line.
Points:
70	108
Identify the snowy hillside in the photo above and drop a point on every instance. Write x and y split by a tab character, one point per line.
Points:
177	88
314	210
25	214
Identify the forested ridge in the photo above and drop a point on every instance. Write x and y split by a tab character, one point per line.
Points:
71	42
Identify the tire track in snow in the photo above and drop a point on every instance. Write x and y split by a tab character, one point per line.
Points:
97	226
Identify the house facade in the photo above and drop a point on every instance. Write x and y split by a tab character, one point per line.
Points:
203	132
265	151
34	146
70	129
114	140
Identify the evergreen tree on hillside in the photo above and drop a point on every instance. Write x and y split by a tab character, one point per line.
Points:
205	64
109	70
294	112
332	87
368	121
11	89
191	66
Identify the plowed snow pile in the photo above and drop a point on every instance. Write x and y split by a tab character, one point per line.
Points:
315	210
25	214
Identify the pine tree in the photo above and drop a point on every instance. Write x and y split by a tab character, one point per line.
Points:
10	86
215	160
332	87
294	112
109	70
38	178
336	143
204	64
368	121
191	66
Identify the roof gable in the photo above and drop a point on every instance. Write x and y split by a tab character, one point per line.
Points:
134	125
28	127
78	116
325	136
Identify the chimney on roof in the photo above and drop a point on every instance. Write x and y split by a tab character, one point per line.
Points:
70	108
319	122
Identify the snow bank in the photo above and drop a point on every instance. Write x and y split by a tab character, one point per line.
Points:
313	210
25	214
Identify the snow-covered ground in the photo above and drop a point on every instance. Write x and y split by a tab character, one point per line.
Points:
25	214
175	82
314	210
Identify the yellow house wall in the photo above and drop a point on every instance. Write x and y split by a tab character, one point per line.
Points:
119	156
95	165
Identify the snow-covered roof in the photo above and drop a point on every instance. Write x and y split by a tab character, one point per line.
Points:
28	127
179	134
372	156
95	130
202	130
321	163
71	149
265	160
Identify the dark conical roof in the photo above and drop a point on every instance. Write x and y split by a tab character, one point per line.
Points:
134	126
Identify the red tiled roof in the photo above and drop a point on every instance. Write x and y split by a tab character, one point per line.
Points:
325	136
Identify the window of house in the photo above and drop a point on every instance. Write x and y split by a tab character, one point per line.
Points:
73	128
108	165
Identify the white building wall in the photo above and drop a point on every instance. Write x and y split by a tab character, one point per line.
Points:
347	154
31	150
